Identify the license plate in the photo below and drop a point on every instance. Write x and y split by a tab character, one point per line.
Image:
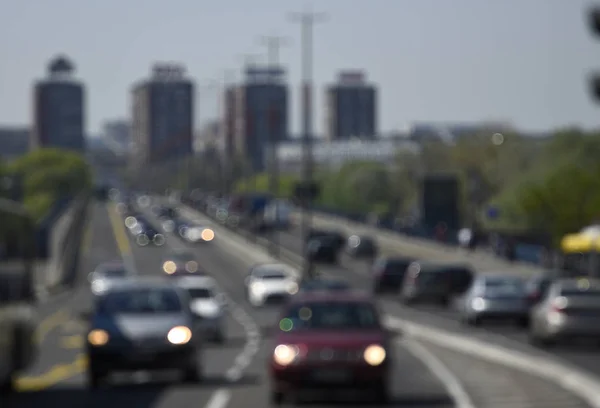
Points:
330	375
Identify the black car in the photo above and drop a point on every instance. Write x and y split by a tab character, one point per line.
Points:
388	273
361	247
438	283
181	263
337	239
146	235
323	249
328	285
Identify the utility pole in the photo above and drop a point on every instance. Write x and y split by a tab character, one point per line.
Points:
273	44
307	20
594	23
229	151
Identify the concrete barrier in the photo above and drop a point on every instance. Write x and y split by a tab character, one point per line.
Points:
64	241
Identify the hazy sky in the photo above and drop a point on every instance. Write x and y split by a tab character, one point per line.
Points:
524	61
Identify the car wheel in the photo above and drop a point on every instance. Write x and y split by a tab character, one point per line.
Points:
192	375
381	394
95	379
276	398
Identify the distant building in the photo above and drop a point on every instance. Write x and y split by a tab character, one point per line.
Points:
117	135
351	108
59	109
162	125
334	154
14	142
255	112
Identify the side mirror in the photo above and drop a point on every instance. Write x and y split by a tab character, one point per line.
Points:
85	315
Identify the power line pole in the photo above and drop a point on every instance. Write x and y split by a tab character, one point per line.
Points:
227	131
307	20
273	44
594	23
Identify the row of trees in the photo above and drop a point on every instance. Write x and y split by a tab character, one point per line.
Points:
551	185
46	175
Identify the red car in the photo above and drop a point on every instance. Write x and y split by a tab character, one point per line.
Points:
330	341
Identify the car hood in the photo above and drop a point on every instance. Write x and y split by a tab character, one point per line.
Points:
140	325
275	286
337	338
205	307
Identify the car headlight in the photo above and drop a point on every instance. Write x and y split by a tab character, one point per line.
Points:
142	239
179	335
258	288
374	355
170	267
158	239
292	288
478	304
191	266
98	337
285	354
207	234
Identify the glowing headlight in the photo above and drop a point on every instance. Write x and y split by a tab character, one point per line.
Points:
130	222
478	304
179	335
158	239
258	288
170	267
292	288
98	337
374	355
285	355
208	234
142	240
191	266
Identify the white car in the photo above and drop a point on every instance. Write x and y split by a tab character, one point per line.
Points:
270	283
207	305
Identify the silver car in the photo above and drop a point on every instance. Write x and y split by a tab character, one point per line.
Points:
141	325
495	297
207	305
106	273
570	310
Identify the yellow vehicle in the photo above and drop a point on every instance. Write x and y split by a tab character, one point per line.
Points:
581	251
17	293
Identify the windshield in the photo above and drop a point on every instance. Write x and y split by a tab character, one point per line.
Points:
200	293
504	287
112	273
330	316
272	275
140	301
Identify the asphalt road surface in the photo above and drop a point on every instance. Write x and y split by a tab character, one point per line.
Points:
586	357
235	372
488	385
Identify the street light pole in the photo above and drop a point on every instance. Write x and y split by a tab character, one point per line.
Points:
273	44
307	20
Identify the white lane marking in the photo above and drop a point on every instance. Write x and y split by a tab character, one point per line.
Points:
219	399
252	332
584	385
449	380
578	382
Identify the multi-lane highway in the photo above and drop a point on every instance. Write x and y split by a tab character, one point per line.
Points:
235	372
358	273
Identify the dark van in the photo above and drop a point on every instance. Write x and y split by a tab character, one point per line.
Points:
388	273
435	283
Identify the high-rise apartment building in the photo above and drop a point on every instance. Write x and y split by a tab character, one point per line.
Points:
162	125
256	114
351	108
59	109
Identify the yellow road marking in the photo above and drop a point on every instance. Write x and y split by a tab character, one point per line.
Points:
49	324
55	375
72	342
119	231
73	326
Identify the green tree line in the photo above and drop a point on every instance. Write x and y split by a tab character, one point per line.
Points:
47	175
549	185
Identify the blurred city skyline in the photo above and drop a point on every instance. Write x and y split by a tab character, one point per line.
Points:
462	61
